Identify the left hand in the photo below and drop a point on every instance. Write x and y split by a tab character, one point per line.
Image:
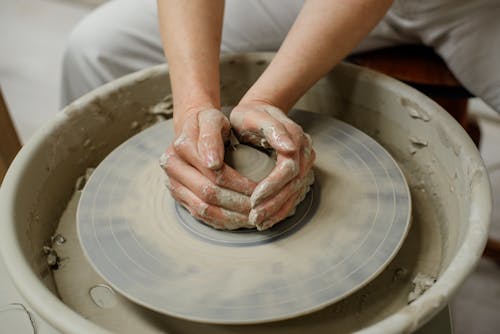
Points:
264	125
212	191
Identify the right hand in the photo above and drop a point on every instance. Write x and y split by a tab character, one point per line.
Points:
263	124
199	179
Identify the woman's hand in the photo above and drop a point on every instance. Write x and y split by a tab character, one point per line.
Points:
198	177
264	125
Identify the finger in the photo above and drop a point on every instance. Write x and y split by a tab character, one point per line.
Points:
307	145
280	116
189	131
288	208
254	138
270	206
307	155
185	144
281	214
213	127
165	157
204	189
266	209
212	215
226	176
253	126
277	136
285	170
294	130
310	163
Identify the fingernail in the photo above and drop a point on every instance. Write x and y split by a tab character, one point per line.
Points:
254	217
264	225
256	199
164	160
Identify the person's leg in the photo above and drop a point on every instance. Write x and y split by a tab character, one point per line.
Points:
122	36
119	37
263	25
468	39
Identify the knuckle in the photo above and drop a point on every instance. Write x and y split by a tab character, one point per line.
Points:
205	138
177	191
173	192
236	118
179	142
233	116
201	210
296	128
289	167
220	177
223	120
296	131
165	159
209	193
308	140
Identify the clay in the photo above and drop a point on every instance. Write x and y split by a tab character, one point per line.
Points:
414	110
420	284
250	162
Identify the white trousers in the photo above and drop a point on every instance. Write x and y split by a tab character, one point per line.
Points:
122	36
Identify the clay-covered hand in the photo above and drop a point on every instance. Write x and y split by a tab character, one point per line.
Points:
199	179
276	196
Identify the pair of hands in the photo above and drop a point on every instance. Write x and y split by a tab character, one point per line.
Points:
218	195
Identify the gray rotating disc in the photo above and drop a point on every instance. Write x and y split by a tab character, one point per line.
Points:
152	251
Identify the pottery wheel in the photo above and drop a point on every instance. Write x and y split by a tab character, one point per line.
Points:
152	251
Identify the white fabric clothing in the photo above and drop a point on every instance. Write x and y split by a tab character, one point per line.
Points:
122	36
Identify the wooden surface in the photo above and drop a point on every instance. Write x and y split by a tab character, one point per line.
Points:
412	63
9	141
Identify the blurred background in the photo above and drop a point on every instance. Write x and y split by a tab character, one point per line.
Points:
33	34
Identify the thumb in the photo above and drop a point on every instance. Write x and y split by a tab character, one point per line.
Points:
213	127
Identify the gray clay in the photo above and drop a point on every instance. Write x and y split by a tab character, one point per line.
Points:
249	161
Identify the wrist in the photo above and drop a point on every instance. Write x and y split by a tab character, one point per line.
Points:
251	101
183	112
274	97
191	95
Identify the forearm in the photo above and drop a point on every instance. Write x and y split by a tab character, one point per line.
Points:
323	34
191	34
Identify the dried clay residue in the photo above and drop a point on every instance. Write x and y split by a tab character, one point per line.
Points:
417	143
420	284
415	110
